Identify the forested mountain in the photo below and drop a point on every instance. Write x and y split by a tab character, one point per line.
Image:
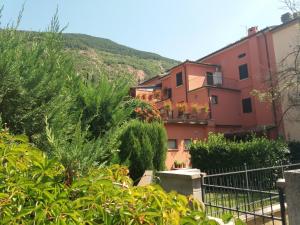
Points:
93	52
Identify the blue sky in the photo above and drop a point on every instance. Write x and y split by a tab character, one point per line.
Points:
178	29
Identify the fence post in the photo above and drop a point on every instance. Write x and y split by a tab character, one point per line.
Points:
202	175
280	185
246	174
247	185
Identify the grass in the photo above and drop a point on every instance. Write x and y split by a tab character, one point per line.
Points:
241	201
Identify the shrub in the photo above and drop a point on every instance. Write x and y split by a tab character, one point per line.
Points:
34	74
33	192
294	147
217	152
143	146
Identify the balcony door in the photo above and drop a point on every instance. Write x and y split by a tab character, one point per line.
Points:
209	78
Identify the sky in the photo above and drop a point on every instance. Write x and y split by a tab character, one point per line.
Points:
177	29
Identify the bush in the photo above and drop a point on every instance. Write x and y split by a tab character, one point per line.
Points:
216	152
33	191
294	147
143	146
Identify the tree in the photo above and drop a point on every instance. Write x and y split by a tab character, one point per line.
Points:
143	147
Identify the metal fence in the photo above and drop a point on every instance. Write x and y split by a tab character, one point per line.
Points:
249	193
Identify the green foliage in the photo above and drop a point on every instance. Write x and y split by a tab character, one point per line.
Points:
143	146
32	76
294	147
102	103
33	192
93	54
218	152
38	81
83	41
112	54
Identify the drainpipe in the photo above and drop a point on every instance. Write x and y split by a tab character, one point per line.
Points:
209	104
186	84
271	79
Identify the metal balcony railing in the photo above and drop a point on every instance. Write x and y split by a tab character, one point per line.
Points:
220	81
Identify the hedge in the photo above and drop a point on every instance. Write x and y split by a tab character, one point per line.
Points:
143	147
217	152
294	147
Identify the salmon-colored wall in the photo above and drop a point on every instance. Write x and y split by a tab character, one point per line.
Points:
199	96
227	115
228	109
195	81
197	74
256	59
180	132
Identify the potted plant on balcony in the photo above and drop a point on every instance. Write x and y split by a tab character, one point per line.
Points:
204	111
179	165
182	109
195	109
168	108
156	94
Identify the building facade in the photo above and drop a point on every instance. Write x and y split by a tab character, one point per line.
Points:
286	41
216	94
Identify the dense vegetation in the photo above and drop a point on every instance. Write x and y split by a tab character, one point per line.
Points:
76	119
80	123
217	152
143	147
294	147
92	54
34	191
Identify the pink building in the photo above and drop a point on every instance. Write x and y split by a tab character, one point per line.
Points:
214	94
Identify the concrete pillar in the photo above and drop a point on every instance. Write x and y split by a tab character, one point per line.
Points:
292	191
185	181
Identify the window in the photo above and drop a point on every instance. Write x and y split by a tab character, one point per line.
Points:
179	79
214	99
172	144
169	93
242	55
209	78
187	143
243	70
247	106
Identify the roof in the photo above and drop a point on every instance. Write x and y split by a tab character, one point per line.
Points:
198	61
168	71
150	79
275	28
270	28
232	44
193	62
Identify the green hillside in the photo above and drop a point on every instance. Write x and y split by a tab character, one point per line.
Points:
92	53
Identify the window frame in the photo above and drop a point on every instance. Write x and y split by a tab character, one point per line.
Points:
176	144
210	75
214	100
246	104
181	79
184	144
243	71
242	55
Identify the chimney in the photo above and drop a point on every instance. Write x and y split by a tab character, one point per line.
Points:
286	17
252	30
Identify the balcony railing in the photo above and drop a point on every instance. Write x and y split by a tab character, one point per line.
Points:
218	80
191	118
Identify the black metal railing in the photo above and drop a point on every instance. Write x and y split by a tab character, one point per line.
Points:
250	194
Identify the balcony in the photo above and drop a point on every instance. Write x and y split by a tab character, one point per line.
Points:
218	80
191	116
